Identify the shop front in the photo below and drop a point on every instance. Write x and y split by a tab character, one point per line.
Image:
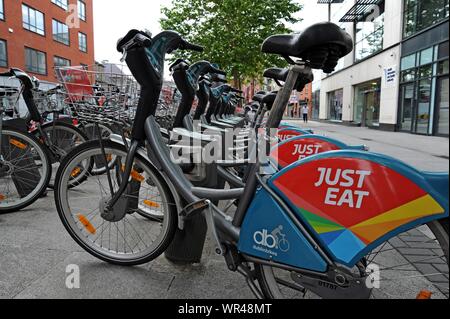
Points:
367	104
335	105
424	91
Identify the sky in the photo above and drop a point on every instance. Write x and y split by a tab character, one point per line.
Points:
114	18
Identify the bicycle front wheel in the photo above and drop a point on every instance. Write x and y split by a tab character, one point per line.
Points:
132	239
25	170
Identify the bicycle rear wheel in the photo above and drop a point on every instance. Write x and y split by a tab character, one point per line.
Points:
25	170
132	240
63	137
412	262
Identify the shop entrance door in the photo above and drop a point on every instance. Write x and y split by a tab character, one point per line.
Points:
442	120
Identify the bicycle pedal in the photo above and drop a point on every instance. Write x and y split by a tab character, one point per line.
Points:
193	209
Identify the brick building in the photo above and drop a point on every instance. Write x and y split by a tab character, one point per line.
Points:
35	35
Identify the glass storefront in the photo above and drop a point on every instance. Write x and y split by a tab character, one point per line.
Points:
424	91
316	105
367	103
443	105
335	105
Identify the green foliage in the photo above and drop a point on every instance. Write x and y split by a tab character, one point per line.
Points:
231	31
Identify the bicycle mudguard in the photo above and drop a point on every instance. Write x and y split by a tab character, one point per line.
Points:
290	132
354	201
26	175
18	124
300	147
269	233
288	126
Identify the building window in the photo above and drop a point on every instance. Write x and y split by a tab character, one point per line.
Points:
61	3
82	41
2	10
370	34
61	32
421	14
60	62
33	20
35	61
3	54
81	10
423	95
335	105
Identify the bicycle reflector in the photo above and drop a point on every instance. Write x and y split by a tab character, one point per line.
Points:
2	197
76	171
17	144
151	204
87	224
424	294
135	175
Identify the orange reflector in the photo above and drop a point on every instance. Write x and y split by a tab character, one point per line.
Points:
424	294
109	157
135	175
87	224
2	197
17	144
149	203
76	171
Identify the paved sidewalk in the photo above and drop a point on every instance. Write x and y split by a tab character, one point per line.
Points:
423	152
35	249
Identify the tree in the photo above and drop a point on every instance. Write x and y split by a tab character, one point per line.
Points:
231	31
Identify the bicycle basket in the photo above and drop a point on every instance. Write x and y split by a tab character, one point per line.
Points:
103	93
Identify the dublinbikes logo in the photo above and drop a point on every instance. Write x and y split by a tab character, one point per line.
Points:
270	242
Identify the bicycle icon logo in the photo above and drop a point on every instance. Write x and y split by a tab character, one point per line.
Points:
273	240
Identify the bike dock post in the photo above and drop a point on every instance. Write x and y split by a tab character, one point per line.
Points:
187	245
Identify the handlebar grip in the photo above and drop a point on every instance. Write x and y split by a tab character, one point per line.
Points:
237	91
192	47
9	73
217	71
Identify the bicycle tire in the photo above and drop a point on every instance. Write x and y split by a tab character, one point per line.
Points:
107	256
46	165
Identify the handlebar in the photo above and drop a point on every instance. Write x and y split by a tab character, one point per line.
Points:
185	45
178	61
134	38
9	73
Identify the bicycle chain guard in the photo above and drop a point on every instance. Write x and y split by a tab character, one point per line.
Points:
343	287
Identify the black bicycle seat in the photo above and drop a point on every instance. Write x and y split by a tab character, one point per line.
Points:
280	75
277	74
321	45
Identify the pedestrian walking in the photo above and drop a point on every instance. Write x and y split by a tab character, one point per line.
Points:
305	112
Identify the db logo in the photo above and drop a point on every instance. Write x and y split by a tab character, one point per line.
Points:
274	240
264	239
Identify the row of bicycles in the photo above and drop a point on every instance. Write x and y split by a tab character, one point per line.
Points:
299	215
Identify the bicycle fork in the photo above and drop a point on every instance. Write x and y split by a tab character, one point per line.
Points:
110	208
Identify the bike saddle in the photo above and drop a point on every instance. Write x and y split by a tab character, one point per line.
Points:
269	99
321	46
277	74
259	97
280	75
